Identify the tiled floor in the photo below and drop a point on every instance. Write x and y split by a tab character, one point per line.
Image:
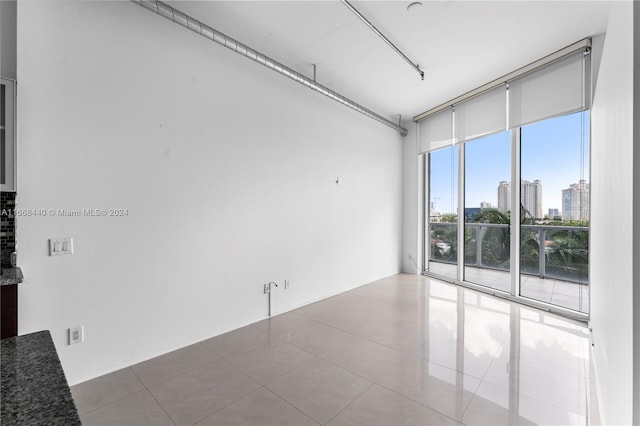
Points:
405	350
567	294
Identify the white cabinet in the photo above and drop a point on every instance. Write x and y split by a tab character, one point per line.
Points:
7	135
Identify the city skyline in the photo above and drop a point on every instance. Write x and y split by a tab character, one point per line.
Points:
575	200
554	151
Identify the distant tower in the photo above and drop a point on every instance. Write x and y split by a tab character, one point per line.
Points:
485	205
575	201
504	196
531	196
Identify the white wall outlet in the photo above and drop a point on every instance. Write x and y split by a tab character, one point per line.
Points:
287	284
60	246
76	334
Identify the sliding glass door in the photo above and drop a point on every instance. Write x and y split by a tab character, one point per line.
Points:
442	221
551	161
554	195
507	184
487	219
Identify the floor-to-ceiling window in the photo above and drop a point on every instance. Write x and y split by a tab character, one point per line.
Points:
443	212
507	184
554	236
487	252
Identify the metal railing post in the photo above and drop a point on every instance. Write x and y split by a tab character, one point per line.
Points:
479	237
542	261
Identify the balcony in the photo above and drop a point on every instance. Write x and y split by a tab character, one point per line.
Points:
553	260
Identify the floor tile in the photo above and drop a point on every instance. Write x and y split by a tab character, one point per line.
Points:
319	389
556	343
379	406
269	360
432	385
365	358
200	392
591	408
409	339
557	388
139	409
394	291
405	349
233	341
473	356
337	312
164	367
495	405
309	335
323	309
104	390
260	408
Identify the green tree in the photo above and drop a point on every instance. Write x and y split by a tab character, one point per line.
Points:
496	241
568	253
449	218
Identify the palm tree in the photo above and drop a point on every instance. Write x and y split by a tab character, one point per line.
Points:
495	240
496	244
569	253
492	215
566	251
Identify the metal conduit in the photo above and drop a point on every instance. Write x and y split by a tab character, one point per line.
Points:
383	37
204	30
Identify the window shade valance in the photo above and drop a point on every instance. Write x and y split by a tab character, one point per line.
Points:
437	132
555	85
555	89
482	115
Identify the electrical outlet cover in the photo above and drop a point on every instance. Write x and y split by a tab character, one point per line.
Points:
76	334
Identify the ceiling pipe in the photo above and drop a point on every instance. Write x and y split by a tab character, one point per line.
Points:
204	30
383	37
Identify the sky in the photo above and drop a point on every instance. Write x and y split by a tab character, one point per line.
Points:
554	151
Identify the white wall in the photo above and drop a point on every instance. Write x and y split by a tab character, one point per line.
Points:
227	170
8	39
612	220
411	262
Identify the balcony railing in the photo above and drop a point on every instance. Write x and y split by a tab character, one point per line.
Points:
560	252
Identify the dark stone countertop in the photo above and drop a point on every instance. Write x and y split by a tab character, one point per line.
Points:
33	387
11	276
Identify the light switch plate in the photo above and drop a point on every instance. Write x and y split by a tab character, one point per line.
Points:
60	246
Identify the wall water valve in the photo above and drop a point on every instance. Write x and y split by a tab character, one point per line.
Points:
267	290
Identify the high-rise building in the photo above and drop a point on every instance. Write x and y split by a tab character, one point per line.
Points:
575	201
554	212
485	205
531	196
504	196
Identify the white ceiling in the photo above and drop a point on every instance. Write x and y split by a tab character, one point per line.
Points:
459	44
